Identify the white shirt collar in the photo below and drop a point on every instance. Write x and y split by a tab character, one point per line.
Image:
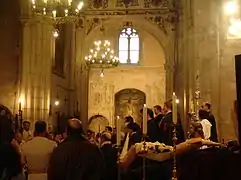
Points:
104	143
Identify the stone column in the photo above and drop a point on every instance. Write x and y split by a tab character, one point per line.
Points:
69	66
81	76
169	65
36	72
185	65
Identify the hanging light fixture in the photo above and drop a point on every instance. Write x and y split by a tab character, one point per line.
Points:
102	56
59	10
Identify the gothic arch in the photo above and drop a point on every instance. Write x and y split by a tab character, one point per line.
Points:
129	102
4	111
142	24
97	123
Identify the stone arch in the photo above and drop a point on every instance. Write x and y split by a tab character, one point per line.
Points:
142	24
97	123
129	102
4	111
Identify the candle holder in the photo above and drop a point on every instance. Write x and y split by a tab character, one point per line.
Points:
118	160
20	116
174	140
144	138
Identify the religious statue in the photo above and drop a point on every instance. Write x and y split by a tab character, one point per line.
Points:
131	107
129	102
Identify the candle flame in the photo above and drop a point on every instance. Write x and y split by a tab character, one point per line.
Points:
174	93
144	105
118	117
21	100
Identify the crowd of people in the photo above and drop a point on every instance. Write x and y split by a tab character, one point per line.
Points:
79	155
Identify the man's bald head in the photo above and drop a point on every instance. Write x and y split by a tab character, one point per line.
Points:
74	127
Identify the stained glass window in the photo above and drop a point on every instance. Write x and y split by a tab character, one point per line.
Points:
129	46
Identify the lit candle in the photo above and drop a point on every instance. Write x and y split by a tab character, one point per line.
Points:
174	108
144	125
118	131
69	2
54	12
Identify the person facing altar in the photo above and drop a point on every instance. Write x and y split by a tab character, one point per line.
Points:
134	131
166	125
153	131
110	155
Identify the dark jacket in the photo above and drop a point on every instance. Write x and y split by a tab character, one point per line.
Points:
110	157
76	159
135	137
153	131
166	127
214	135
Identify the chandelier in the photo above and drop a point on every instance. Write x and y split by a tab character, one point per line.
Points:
102	56
59	10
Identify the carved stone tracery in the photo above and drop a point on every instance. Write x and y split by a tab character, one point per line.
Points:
92	23
127	3
155	3
98	4
162	21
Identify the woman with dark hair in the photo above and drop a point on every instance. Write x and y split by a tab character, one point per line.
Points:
10	156
196	131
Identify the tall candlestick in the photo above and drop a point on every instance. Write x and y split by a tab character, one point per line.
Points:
174	108
144	125
118	131
19	106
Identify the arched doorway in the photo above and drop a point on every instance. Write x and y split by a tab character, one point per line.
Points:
129	102
4	111
97	123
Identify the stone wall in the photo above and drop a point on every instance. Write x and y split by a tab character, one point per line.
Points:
63	85
206	62
10	38
148	76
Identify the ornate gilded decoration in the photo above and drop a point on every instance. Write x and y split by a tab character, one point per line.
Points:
60	11
127	3
98	4
155	3
162	21
93	23
101	55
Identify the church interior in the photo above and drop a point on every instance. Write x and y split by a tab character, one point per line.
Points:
105	60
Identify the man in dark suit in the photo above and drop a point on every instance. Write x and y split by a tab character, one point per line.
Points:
110	156
211	119
158	112
75	158
153	131
135	133
166	125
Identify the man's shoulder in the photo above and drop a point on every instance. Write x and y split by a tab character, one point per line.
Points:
44	141
76	143
51	142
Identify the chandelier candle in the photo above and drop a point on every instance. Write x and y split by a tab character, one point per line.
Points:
118	131
144	125
174	108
